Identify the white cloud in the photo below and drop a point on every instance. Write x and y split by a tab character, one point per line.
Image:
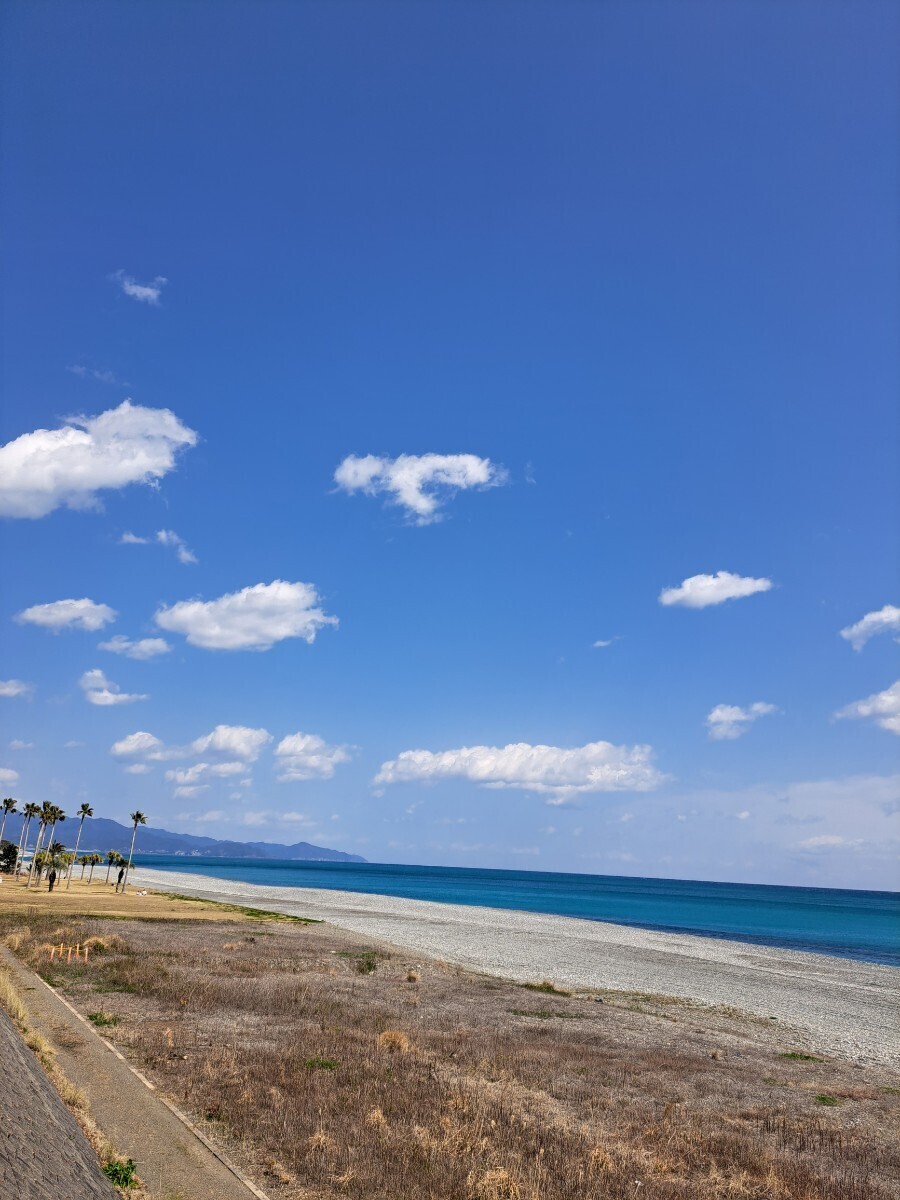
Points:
213	816
252	619
147	293
164	537
103	692
142	650
557	772
69	614
15	687
307	756
886	620
884	707
418	482
192	790
16	744
7	775
139	745
72	745
601	645
240	741
189	775
700	591
728	721
137	768
43	470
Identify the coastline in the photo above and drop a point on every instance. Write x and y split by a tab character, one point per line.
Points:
834	1005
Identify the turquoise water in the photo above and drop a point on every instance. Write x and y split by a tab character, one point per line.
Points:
850	924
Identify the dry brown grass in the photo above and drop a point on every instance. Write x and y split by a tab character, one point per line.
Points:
325	1080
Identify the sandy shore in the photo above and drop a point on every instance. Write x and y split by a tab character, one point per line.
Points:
834	1005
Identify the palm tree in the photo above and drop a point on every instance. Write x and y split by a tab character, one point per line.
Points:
111	856
29	812
83	812
95	859
9	806
46	815
139	819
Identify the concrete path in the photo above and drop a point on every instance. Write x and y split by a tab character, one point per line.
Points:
173	1161
43	1153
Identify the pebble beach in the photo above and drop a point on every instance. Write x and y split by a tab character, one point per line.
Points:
830	1005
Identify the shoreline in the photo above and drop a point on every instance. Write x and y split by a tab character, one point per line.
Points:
837	1005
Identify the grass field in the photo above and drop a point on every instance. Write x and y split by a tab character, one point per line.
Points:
331	1066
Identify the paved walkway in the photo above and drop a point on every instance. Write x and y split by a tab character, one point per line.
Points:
43	1153
172	1161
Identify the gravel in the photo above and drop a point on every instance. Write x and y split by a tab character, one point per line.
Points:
833	1005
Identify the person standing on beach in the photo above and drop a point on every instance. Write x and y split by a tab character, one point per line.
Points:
119	877
52	877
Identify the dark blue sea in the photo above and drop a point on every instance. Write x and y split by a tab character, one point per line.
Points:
850	924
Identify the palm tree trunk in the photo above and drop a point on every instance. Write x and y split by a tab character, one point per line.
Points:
77	840
108	869
91	876
23	838
130	854
37	846
3	825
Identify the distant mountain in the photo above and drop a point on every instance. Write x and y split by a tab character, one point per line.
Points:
102	834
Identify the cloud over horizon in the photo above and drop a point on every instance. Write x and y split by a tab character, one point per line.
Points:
254	618
419	483
556	772
701	591
49	468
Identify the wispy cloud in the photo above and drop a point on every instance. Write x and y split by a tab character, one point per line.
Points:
8	775
418	483
146	293
100	376
163	537
728	721
701	591
142	650
882	707
17	744
15	687
253	619
49	468
103	692
886	620
82	614
559	773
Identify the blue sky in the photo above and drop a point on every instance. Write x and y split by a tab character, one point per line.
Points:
616	283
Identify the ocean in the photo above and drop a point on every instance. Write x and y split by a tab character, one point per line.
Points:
850	924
